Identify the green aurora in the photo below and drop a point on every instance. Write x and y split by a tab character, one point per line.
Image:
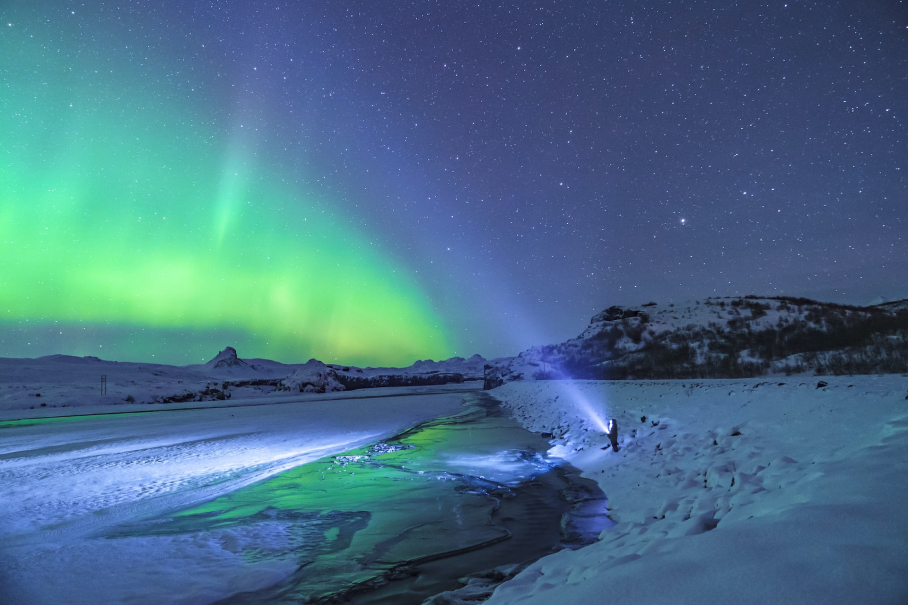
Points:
127	212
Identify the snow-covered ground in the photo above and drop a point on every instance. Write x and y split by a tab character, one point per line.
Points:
724	491
729	491
65	381
68	481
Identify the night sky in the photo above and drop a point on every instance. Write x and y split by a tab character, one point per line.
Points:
378	182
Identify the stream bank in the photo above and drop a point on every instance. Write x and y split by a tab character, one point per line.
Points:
402	520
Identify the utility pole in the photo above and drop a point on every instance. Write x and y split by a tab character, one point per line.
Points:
104	384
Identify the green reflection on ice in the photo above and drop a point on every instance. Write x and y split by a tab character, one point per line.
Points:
358	515
8	424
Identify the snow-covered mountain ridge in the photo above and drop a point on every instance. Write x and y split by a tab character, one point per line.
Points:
730	337
711	338
66	380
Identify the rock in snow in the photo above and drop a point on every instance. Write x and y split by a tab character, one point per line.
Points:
227	362
313	377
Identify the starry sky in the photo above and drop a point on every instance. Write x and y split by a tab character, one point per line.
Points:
376	182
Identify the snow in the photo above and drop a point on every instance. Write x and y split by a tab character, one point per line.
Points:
227	361
743	491
65	381
629	330
312	377
894	306
746	491
68	481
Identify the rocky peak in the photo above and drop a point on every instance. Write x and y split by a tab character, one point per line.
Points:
227	359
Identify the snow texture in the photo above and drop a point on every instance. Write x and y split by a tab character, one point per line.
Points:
729	491
747	491
67	483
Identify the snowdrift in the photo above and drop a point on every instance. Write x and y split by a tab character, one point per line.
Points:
729	491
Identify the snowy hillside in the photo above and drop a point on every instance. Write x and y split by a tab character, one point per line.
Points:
729	491
725	337
894	306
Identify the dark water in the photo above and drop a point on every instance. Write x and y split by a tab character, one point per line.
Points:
401	521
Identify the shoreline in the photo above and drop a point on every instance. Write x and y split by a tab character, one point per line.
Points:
579	493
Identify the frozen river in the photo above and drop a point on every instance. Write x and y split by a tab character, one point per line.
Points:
373	500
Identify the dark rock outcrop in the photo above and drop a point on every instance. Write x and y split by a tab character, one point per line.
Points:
227	360
491	378
353	382
616	313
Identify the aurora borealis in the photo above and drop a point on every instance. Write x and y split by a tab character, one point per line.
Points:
128	221
378	182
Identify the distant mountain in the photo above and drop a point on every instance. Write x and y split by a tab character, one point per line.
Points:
315	376
228	360
730	337
58	358
724	338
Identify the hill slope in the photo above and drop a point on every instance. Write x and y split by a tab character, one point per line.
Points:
725	338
